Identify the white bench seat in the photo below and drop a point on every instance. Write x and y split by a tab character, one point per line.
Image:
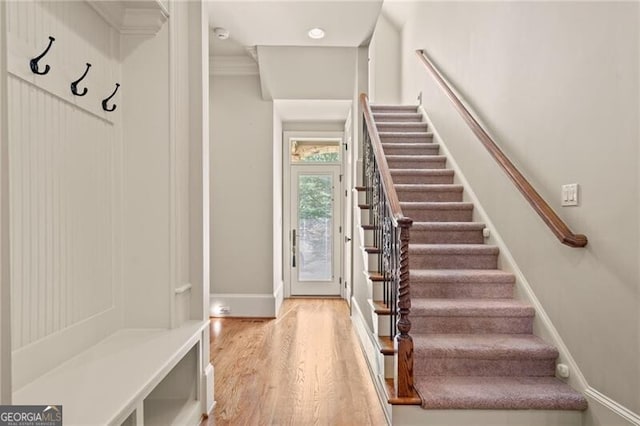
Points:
105	383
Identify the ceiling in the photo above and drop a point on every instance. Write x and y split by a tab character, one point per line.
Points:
286	22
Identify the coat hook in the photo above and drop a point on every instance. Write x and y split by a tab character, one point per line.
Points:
34	62
74	85
104	101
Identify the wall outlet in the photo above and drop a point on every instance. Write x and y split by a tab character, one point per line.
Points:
570	194
222	310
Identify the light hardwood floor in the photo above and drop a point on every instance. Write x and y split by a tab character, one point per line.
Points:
304	368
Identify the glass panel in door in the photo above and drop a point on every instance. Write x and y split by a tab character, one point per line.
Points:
315	235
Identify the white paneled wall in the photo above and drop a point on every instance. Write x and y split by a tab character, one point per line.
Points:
62	200
64	170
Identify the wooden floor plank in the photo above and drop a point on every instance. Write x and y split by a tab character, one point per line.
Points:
304	368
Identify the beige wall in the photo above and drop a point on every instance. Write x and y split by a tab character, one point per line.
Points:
384	63
5	283
241	187
557	85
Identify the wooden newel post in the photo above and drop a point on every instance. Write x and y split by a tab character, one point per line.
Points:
403	341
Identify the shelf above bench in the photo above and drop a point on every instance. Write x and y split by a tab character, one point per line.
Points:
105	383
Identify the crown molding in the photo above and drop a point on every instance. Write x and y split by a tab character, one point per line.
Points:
232	65
141	17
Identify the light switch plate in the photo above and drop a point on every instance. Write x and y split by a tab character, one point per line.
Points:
570	194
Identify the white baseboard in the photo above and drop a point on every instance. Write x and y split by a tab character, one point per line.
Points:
369	349
362	330
209	397
278	294
243	305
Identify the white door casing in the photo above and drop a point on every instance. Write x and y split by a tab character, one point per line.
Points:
318	267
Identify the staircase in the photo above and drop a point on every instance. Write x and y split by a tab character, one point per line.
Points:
473	343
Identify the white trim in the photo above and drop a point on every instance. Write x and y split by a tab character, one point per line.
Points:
244	305
286	194
183	288
146	20
544	328
369	350
278	295
362	330
5	264
174	237
613	406
233	65
209	403
29	362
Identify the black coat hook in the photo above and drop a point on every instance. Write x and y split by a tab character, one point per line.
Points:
74	85
104	101
34	62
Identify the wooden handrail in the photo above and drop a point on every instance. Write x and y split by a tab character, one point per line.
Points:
548	215
394	204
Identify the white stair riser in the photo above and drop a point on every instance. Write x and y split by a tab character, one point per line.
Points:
381	325
378	290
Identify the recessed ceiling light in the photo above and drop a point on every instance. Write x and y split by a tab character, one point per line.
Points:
316	33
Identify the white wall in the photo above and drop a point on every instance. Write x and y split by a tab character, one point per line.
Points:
313	126
557	85
146	176
241	195
384	63
196	111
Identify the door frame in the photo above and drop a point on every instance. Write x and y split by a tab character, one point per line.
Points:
332	286
286	202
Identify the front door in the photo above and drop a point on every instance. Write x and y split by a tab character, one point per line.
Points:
315	215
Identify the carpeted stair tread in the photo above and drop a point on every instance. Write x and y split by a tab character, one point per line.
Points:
482	346
461	283
470	308
416	158
520	393
422	172
411	149
444	226
401	126
423	148
393	108
438	211
467	249
418	187
409	145
389	136
397	116
479	276
430	205
422	176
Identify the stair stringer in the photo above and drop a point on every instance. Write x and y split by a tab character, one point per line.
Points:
542	324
